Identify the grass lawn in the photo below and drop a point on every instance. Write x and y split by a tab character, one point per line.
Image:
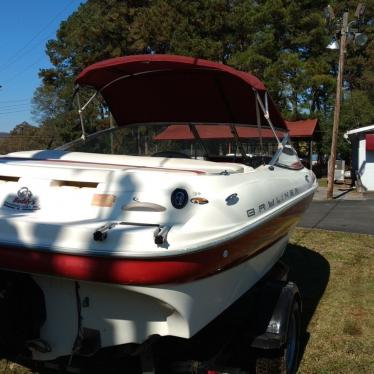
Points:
335	274
322	182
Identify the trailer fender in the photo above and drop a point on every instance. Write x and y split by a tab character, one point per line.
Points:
275	334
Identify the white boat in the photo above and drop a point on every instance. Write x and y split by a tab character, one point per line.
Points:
124	245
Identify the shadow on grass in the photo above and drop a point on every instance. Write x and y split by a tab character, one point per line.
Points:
311	272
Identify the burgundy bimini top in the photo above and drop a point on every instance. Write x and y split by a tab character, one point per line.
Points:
167	88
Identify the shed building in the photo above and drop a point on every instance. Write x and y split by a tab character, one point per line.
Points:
362	141
307	131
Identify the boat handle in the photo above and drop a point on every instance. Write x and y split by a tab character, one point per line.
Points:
102	232
160	234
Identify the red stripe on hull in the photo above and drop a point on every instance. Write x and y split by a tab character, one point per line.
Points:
176	269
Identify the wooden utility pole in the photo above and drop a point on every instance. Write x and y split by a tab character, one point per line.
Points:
339	82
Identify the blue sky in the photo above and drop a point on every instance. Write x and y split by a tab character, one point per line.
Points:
25	27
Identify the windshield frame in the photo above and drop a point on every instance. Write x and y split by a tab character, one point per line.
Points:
192	125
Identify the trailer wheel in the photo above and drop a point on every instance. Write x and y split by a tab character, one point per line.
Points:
284	360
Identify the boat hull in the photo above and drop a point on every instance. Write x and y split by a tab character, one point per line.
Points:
167	309
127	288
173	269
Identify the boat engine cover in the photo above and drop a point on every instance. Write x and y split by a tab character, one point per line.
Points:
22	312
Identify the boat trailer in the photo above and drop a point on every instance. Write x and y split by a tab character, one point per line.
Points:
259	333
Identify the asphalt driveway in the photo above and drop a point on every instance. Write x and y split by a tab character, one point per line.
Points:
341	215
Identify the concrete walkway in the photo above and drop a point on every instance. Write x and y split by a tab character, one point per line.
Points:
349	212
341	192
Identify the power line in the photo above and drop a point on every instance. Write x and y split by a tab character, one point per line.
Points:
15	76
13	101
22	137
21	52
14	111
13	107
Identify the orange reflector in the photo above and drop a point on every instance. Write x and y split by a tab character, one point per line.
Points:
105	200
199	200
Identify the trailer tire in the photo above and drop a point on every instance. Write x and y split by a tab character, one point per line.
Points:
284	360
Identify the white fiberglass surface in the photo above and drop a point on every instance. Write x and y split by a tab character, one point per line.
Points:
67	219
130	314
67	183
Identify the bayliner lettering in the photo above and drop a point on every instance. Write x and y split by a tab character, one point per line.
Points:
23	201
263	207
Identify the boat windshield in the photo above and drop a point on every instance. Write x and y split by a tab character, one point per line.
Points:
215	142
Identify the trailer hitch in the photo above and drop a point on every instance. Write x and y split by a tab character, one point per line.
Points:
160	234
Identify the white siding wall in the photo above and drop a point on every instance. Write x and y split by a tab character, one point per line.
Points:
366	165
